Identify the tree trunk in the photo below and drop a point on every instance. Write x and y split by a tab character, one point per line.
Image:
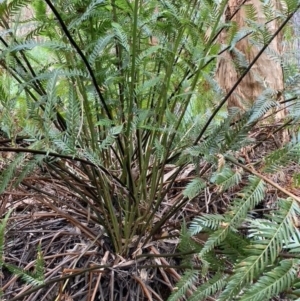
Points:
266	73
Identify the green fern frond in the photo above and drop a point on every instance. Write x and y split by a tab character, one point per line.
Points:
194	188
73	119
290	5
28	168
273	282
241	34
28	45
250	12
121	36
99	47
226	178
187	244
146	54
236	137
207	221
261	106
40	9
15	6
87	13
209	288
144	88
26	276
187	280
111	137
3	224
39	272
215	239
293	245
281	157
51	102
294	292
268	238
9	172
234	246
252	195
268	11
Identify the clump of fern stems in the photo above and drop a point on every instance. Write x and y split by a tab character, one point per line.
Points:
101	98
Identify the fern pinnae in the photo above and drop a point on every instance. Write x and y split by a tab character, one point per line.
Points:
226	178
268	239
207	221
15	6
194	188
282	157
28	168
99	47
73	118
39	265
253	194
186	282
260	107
3	225
215	239
273	282
29	278
9	172
121	36
87	13
51	97
210	288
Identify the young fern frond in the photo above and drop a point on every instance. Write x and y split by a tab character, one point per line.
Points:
251	196
215	239
207	221
29	278
226	178
261	107
10	170
210	288
280	157
40	265
73	119
194	188
3	225
185	283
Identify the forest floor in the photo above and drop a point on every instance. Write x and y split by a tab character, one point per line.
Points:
72	242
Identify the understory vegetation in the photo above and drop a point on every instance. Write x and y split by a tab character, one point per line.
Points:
124	176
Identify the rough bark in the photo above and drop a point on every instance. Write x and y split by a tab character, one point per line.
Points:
266	73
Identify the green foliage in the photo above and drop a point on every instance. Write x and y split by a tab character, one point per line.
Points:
110	84
33	278
108	94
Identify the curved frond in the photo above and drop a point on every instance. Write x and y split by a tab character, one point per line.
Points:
210	288
273	282
186	281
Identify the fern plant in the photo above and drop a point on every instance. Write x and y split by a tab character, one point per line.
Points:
111	105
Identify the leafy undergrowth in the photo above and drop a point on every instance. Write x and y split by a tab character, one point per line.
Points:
71	240
118	147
